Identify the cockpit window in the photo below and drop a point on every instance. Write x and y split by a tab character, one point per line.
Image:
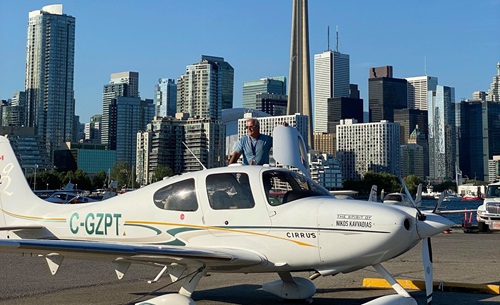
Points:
229	191
179	196
283	186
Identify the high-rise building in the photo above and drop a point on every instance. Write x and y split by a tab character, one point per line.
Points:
165	97
273	104
478	137
162	145
385	94
409	119
267	124
325	142
340	108
385	71
417	90
299	94
29	150
127	116
331	79
205	87
93	129
415	155
206	138
269	85
50	53
479	96
414	122
412	160
15	114
124	84
442	141
89	157
494	92
363	147
129	78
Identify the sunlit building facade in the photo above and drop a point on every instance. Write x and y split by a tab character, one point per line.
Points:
331	79
165	97
442	140
363	147
50	53
417	90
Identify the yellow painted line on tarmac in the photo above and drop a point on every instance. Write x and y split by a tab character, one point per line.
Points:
442	286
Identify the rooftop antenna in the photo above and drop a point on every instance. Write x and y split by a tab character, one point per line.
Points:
425	65
337	45
328	38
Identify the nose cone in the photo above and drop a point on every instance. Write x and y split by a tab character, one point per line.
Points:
432	225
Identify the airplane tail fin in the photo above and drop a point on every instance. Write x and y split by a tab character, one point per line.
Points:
15	194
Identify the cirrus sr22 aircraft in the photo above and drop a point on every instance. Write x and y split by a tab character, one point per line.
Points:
236	219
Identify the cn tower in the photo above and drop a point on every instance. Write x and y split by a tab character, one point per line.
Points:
299	94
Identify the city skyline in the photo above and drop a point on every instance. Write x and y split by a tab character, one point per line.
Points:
155	40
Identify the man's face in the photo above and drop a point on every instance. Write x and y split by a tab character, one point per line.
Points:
252	128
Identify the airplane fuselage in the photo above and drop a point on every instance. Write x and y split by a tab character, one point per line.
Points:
317	231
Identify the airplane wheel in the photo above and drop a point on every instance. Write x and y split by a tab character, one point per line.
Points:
482	227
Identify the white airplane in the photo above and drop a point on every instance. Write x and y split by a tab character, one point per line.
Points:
237	219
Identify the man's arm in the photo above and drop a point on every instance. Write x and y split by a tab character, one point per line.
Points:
234	158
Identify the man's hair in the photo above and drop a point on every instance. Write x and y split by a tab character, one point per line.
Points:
255	121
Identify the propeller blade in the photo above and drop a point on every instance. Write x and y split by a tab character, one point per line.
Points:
418	196
420	216
427	262
408	193
440	200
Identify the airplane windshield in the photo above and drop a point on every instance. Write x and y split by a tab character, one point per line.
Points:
284	186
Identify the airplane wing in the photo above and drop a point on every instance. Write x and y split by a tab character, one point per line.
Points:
453	211
16	228
160	254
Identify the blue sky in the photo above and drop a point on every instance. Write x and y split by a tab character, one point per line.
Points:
458	40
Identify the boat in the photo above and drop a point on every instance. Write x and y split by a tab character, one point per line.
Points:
471	196
451	196
429	193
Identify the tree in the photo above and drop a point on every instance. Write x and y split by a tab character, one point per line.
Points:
99	180
45	180
122	173
66	177
412	182
387	182
81	179
161	172
446	185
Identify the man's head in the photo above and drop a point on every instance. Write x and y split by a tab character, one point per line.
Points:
252	127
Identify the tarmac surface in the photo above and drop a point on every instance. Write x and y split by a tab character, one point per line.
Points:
458	257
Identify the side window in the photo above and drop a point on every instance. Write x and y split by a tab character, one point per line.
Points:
281	187
275	187
229	191
179	196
